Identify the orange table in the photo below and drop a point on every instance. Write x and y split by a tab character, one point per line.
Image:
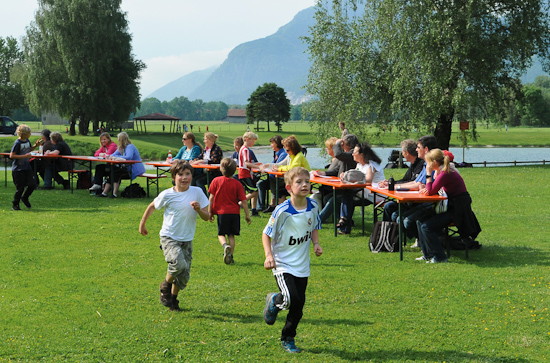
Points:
404	197
164	167
34	156
337	184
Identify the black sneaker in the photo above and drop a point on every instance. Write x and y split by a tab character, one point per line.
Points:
166	293
15	206
270	310
26	202
255	212
269	209
290	346
175	304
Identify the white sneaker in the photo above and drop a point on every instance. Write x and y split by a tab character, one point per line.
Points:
415	244
95	187
421	258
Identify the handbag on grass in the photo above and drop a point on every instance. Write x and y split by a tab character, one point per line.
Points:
442	205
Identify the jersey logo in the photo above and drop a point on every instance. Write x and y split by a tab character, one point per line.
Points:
296	241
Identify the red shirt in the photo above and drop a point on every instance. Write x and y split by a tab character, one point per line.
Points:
244	157
227	192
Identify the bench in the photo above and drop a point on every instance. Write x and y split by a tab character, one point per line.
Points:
259	128
452	231
152	179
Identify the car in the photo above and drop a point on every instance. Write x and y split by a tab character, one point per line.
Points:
7	125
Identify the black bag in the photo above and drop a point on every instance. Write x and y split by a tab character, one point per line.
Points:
384	237
133	190
84	180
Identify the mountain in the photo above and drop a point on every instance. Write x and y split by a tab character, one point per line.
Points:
278	58
182	86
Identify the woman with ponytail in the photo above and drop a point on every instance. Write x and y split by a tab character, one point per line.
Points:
459	211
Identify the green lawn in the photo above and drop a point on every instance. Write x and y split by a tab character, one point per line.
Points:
78	283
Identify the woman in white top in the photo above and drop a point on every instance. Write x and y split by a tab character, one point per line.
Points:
369	164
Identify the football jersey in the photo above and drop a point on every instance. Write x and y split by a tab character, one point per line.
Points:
290	231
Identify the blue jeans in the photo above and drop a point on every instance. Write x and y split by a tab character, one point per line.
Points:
430	233
415	213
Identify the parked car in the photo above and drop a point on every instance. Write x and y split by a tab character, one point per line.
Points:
7	125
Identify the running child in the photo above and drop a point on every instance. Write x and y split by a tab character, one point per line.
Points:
21	169
181	205
293	226
225	195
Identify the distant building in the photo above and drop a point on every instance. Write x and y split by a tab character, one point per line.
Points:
53	119
235	115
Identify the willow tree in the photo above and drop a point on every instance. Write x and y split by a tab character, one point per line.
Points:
416	64
78	62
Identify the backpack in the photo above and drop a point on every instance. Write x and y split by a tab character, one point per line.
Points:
84	180
133	190
384	237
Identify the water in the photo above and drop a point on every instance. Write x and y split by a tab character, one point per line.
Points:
471	155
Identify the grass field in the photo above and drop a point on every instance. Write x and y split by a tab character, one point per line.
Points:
78	283
155	144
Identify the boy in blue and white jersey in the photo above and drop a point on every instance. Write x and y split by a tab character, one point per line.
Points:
293	226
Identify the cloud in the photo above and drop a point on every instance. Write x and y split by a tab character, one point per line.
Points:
163	70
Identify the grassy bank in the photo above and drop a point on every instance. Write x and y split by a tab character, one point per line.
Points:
78	283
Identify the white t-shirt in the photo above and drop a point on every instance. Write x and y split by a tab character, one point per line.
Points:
290	231
180	219
376	178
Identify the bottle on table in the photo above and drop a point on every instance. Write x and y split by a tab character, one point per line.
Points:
169	157
391	183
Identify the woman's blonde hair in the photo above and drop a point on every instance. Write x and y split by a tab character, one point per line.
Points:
330	142
211	136
123	141
436	155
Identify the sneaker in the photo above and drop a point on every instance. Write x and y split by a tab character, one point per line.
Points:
421	258
114	195
95	187
26	202
270	310
166	293
175	303
227	256
15	206
102	195
290	346
434	260
415	244
255	212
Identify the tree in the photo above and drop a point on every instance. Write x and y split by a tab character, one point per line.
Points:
11	95
78	62
413	62
268	103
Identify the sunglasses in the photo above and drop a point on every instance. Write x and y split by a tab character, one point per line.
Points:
184	138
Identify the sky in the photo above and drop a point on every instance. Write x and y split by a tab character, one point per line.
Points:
176	37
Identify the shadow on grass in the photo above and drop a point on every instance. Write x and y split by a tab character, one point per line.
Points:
258	318
504	256
412	355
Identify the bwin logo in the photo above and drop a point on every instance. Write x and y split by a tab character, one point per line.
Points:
293	241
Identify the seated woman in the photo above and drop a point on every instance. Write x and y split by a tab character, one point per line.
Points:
295	155
52	170
106	148
459	210
212	154
269	183
369	164
126	151
190	150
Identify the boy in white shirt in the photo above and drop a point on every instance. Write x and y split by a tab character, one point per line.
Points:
293	226
182	203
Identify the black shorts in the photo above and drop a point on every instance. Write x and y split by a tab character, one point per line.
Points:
249	185
229	224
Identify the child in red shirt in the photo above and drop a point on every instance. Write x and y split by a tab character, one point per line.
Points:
225	195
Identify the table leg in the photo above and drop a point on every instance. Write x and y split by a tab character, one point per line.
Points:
400	233
6	171
334	211
363	209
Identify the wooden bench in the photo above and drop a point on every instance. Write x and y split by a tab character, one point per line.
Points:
259	128
152	179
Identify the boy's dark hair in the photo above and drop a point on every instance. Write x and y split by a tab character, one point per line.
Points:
179	166
239	140
350	140
428	141
292	173
228	167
